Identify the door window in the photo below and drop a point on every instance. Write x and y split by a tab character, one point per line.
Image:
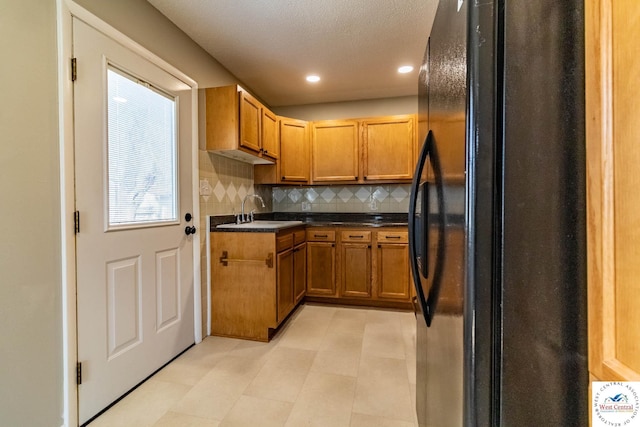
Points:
141	153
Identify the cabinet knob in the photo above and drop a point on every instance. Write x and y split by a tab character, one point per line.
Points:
365	178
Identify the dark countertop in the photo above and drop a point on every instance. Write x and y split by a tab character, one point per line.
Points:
318	219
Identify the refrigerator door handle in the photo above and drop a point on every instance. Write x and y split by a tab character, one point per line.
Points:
413	233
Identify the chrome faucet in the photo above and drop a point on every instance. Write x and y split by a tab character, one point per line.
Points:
243	218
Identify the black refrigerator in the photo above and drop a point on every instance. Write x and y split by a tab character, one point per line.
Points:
497	217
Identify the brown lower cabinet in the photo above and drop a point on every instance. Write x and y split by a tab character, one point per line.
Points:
299	272
361	266
321	263
256	281
355	264
285	293
392	272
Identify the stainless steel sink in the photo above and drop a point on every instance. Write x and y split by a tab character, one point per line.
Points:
262	225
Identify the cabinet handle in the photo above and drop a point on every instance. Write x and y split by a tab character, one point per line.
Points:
333	245
379	246
355	178
369	247
392	237
351	236
321	235
225	260
365	178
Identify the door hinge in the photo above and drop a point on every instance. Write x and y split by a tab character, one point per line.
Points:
76	222
74	69
79	373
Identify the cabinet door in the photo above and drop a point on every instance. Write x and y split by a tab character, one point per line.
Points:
250	117
299	272
294	150
392	276
285	297
321	269
269	137
387	145
334	151
613	201
355	265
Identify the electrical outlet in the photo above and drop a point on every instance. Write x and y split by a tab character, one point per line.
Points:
205	187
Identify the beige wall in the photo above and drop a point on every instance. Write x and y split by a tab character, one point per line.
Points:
146	25
30	255
351	109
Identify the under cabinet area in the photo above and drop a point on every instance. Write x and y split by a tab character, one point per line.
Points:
255	281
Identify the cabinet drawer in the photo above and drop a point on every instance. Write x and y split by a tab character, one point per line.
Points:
355	236
284	242
393	237
298	237
321	235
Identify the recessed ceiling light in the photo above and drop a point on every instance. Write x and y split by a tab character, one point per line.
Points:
405	69
313	78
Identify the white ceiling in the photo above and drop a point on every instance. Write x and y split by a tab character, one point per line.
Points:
355	46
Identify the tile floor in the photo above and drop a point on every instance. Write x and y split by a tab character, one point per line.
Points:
328	366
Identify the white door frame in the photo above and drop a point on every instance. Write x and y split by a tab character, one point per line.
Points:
65	9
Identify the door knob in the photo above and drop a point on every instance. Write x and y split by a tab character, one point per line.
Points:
189	230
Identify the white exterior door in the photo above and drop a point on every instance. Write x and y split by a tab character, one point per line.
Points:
133	165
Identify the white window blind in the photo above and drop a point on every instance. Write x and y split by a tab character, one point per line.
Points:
141	152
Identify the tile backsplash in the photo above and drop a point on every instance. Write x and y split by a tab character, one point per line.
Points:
345	198
229	181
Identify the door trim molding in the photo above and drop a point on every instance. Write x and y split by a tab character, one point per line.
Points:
65	10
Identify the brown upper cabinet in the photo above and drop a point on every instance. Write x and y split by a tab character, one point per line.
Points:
334	151
364	150
294	148
388	148
292	166
290	151
239	126
270	145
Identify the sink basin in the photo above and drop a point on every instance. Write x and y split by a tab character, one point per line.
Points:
260	225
